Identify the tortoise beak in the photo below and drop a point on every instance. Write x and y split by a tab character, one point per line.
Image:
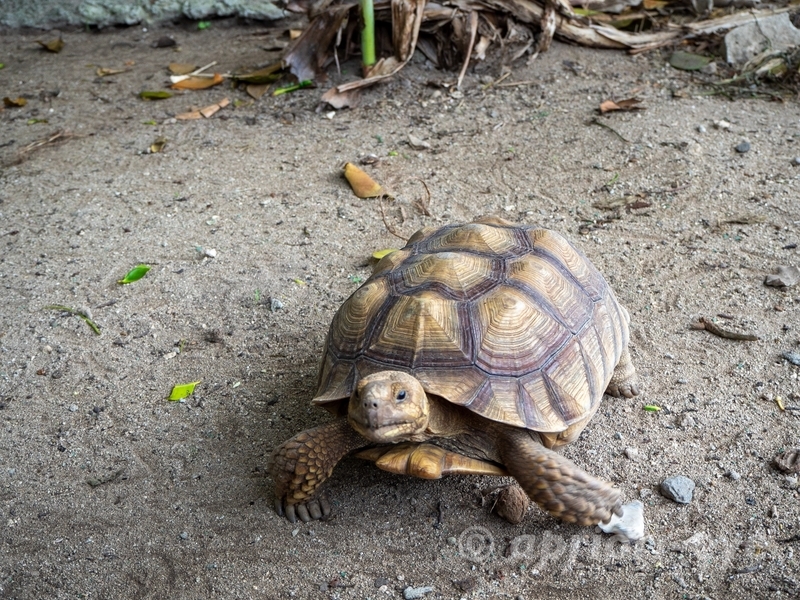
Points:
374	413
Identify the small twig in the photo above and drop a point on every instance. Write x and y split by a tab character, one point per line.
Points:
423	205
709	326
473	30
594	121
77	313
389	227
515	83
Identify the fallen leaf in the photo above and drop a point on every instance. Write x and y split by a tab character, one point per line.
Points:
379	254
627	104
256	90
652	408
197	82
157	146
299	281
203	25
686	61
135	274
183	390
155	95
150	122
14	102
268	74
206	112
164	41
363	185
181	68
654	4
55	45
104	72
36	121
295	33
339	99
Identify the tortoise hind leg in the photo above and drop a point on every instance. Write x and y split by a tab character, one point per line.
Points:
301	464
555	483
623	381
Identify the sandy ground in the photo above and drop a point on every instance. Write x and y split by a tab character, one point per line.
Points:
107	490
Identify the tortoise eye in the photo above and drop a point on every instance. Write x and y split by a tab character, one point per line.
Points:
401	395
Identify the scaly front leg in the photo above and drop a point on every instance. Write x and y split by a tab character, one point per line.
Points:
303	463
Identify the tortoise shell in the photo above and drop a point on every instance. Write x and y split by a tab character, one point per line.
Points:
512	322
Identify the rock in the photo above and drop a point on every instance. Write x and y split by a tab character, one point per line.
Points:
709	69
701	129
792	357
687	421
723	124
784	277
631	453
412	593
775	33
743	147
796	160
630	526
678	489
734	475
512	504
788	461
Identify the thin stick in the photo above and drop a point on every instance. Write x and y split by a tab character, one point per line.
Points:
611	129
473	30
390	228
724	333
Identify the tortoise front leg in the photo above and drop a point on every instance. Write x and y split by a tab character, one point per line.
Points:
303	463
555	483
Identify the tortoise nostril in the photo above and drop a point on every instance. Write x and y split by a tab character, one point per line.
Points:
374	405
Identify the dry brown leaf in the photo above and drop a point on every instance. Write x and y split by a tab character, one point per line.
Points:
55	45
198	83
654	4
295	33
363	185
339	99
627	104
206	112
181	68
158	145
257	90
104	72
14	102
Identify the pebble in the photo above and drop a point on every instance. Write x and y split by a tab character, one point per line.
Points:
73	408
618	436
632	453
734	475
792	357
451	541
785	276
678	489
773	512
275	304
687	421
412	593
210	252
184	535
722	124
743	147
796	161
701	129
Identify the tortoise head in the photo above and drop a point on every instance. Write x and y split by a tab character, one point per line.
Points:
388	407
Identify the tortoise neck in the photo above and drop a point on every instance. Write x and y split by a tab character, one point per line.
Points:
445	419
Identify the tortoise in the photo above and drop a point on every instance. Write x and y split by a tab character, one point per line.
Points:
476	349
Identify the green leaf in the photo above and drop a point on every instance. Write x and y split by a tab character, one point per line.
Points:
155	95
35	121
181	391
652	408
203	25
135	274
293	88
2	65
150	122
355	279
379	254
686	61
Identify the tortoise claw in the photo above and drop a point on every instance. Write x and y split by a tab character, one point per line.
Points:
313	510
302	512
290	514
279	507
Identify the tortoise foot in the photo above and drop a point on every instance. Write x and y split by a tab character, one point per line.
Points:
313	510
623	382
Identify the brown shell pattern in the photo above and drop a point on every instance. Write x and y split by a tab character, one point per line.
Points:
512	322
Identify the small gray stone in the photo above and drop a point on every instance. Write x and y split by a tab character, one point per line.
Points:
785	277
734	475
701	129
631	453
618	436
743	147
687	421
709	69
412	593
796	161
792	357
184	535
275	304
678	489
73	408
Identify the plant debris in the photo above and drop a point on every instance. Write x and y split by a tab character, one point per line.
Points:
788	461
14	102
82	313
182	391
55	46
155	95
687	61
206	112
362	184
626	105
711	327
197	82
135	274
